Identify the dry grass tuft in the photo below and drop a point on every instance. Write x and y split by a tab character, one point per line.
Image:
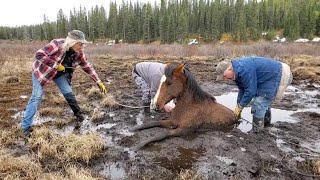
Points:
9	136
302	73
63	122
316	166
72	172
23	167
128	65
27	167
81	98
56	99
86	107
15	66
188	174
51	111
304	67
82	147
44	142
97	115
108	101
94	93
53	176
66	148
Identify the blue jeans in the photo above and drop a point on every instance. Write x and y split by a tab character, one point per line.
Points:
259	106
36	97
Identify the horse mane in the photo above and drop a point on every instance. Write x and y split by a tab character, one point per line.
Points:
192	85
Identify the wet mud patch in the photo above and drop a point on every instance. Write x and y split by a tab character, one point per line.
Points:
185	159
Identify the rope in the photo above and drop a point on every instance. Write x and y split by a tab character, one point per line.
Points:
128	106
119	104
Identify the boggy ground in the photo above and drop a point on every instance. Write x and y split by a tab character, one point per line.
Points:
285	151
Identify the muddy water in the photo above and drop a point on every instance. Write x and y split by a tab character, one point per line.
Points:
230	101
185	160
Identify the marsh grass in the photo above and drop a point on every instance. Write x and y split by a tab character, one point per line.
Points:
94	93
188	174
46	143
51	111
23	167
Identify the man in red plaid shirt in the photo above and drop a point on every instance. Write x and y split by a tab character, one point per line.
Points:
56	62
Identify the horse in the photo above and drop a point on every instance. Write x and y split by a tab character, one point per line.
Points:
194	107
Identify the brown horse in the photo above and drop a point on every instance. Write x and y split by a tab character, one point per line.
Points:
194	107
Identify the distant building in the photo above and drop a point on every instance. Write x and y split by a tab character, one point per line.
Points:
111	42
193	42
301	40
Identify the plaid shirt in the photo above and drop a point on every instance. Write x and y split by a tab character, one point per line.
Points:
50	56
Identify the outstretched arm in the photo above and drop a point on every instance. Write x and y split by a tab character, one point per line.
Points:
87	67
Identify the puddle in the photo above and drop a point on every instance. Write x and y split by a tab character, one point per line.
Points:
185	159
230	100
88	126
113	170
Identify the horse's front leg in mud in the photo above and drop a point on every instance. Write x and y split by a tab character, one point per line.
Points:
163	123
159	137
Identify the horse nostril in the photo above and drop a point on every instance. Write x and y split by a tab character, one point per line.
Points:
157	107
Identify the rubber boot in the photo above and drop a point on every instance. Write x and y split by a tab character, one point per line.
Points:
267	118
71	100
257	125
27	134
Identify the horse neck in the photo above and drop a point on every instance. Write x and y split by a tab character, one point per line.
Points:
186	96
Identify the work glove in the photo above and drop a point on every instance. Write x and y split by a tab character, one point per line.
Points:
60	67
102	88
237	111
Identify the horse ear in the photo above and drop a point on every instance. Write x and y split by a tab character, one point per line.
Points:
179	69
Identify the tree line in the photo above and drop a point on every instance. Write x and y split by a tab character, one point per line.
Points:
177	20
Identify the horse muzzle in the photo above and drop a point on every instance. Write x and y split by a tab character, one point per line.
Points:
154	106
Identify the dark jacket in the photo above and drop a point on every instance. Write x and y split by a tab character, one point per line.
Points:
256	76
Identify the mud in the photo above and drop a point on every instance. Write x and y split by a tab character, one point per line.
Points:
282	151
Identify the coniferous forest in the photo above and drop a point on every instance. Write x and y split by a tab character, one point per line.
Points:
177	20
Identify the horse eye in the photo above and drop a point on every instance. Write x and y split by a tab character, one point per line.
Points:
168	83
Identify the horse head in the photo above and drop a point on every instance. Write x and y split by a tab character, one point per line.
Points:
172	84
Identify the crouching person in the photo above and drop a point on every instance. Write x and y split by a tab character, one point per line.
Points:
147	76
56	62
259	79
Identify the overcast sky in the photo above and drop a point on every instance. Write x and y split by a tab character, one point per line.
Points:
27	12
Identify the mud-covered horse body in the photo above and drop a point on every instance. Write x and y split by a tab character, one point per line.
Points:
194	107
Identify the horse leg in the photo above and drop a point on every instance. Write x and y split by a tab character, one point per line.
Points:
163	123
175	132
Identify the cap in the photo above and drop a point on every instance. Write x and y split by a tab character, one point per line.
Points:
221	67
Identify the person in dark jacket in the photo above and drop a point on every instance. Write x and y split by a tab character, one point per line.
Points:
260	80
